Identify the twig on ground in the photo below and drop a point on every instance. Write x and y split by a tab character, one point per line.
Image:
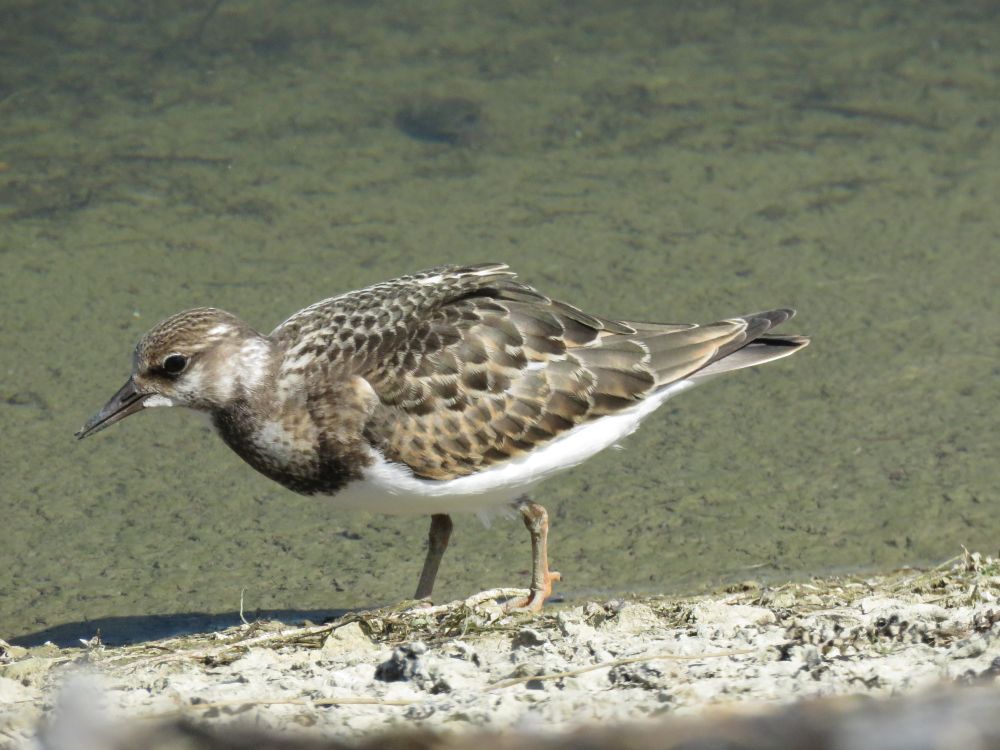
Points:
242	618
315	703
614	663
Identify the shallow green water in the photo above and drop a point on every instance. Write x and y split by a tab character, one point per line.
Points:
666	162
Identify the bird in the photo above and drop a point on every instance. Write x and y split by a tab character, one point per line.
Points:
456	389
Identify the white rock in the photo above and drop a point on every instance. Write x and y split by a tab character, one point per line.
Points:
348	639
632	618
729	619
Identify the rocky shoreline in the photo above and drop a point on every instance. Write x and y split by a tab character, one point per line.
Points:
468	667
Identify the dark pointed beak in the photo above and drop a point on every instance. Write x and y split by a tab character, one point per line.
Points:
127	401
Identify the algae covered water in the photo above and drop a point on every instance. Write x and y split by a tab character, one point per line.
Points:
659	162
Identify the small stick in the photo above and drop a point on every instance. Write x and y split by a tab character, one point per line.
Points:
242	618
472	601
320	702
615	663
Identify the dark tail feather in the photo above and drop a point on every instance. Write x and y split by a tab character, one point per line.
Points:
754	347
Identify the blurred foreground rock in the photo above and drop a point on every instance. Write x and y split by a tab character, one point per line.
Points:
962	719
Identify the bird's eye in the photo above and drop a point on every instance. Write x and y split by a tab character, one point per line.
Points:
174	364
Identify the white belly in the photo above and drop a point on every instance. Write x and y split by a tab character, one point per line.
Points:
392	488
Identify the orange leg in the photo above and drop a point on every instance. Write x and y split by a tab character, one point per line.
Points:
437	543
536	520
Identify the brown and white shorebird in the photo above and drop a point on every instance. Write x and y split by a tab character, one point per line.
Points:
456	389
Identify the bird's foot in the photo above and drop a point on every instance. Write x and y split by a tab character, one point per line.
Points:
536	596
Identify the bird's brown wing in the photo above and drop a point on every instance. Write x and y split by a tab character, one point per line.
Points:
472	368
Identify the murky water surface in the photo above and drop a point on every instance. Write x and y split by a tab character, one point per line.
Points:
657	161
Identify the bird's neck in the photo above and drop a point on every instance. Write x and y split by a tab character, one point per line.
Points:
242	372
310	440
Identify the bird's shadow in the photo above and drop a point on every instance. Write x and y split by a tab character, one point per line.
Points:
119	631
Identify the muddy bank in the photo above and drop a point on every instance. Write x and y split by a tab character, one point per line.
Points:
467	666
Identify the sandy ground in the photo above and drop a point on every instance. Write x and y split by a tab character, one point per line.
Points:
468	666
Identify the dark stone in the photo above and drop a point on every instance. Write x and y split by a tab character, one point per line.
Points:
404	664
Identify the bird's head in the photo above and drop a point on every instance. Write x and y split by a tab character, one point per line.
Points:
204	359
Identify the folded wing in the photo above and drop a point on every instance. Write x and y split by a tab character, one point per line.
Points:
472	367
